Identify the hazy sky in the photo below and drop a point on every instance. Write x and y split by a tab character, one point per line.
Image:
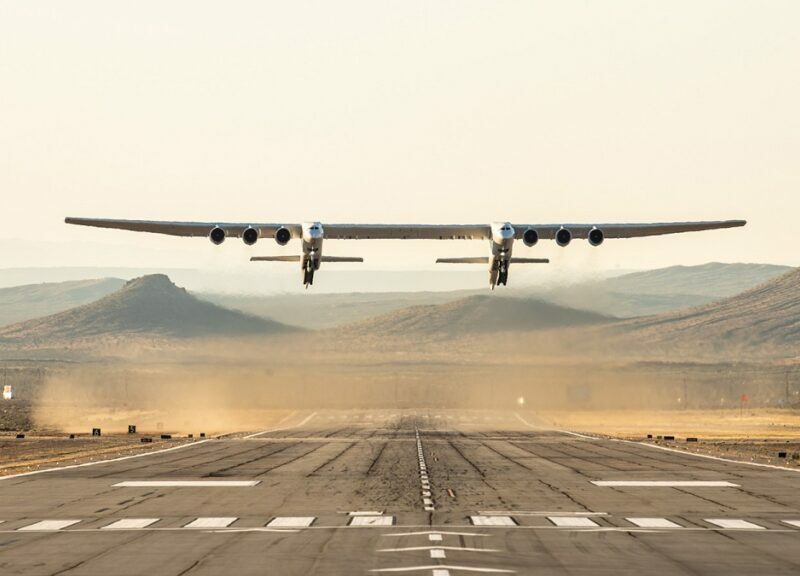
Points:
404	111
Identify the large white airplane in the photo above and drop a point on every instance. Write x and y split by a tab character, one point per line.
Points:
500	234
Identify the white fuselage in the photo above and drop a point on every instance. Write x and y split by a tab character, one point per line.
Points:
502	245
313	234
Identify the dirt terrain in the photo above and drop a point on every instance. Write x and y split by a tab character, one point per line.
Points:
755	435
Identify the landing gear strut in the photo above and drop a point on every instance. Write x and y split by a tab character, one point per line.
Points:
502	274
308	272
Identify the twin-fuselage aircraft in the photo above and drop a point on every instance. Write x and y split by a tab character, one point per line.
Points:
501	236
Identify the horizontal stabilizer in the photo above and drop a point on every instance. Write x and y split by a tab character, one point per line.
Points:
275	259
530	261
341	259
477	260
298	259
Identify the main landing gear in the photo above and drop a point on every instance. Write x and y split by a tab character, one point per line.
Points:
308	272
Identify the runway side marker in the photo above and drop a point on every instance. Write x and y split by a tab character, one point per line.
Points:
211	522
666	483
653	523
188	484
48	526
291	522
732	523
130	524
572	522
492	521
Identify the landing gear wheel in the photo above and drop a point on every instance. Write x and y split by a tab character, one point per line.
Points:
502	274
308	273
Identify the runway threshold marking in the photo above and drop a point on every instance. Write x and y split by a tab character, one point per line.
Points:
291	522
372	521
48	526
666	483
653	523
187	484
793	523
438	547
734	524
572	522
130	524
492	521
211	522
281	428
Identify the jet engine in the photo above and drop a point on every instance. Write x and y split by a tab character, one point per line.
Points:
530	237
563	237
282	236
596	237
250	236
217	235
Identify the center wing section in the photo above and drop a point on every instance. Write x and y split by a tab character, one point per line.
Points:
408	231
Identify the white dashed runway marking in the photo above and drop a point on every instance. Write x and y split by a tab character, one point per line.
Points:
572	522
187	484
48	525
291	522
733	523
438	553
130	524
211	522
653	523
665	483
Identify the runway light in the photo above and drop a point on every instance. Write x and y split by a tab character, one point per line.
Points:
521	401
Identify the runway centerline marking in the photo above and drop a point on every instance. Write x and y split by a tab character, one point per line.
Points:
734	524
666	483
187	484
438	547
572	522
48	526
130	524
438	553
211	522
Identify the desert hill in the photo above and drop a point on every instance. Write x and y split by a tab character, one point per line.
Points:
476	314
146	306
21	303
765	317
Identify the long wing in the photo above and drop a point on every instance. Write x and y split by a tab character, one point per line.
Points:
548	231
404	231
232	229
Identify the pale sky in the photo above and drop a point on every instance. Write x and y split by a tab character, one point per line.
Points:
406	111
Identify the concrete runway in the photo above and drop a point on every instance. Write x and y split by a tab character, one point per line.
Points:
432	493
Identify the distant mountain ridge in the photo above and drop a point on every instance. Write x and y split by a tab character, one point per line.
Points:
150	306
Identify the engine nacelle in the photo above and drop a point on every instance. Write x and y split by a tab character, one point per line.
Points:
530	237
250	236
563	237
595	237
282	236
217	235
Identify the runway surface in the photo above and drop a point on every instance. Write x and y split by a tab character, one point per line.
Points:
433	493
